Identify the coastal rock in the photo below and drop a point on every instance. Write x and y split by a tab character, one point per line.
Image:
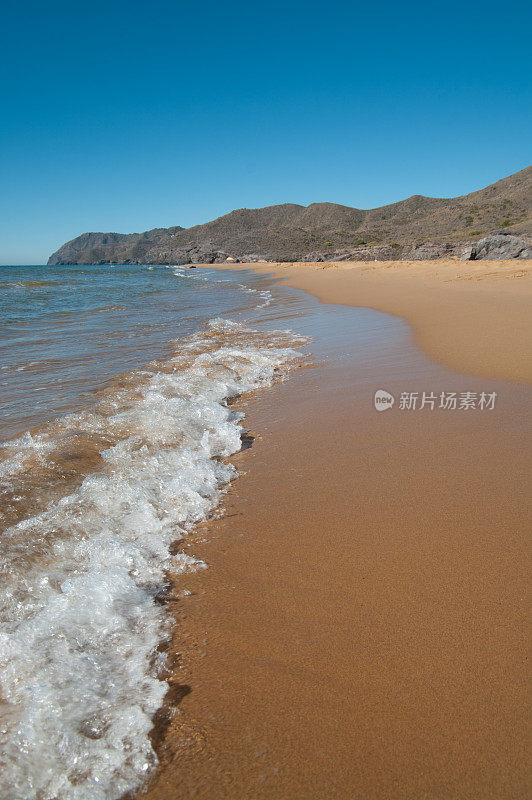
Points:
429	251
467	253
193	253
251	258
501	246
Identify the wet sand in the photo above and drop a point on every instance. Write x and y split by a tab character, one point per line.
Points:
361	631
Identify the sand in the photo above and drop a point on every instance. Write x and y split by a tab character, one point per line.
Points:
361	632
473	316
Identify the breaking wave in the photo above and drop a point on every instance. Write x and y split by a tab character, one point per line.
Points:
92	504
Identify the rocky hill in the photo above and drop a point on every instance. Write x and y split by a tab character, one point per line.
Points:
419	227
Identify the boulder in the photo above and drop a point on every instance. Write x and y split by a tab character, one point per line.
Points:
501	246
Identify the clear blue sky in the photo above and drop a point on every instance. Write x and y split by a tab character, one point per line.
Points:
123	116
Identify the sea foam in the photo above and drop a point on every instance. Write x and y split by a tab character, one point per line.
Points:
81	672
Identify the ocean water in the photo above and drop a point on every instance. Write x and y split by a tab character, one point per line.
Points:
65	331
116	425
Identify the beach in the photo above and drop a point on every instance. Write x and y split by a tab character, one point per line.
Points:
361	630
116	429
459	311
265	403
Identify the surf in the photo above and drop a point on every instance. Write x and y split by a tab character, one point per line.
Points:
81	667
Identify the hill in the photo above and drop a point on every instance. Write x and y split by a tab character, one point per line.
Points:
422	227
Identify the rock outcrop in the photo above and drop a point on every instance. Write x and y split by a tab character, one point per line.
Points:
501	246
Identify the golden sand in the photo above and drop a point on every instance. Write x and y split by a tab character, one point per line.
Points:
361	631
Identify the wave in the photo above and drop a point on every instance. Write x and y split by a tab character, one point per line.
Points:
33	284
81	671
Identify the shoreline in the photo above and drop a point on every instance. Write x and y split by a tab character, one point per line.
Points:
360	633
471	316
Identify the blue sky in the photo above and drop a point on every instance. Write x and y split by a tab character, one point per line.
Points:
128	116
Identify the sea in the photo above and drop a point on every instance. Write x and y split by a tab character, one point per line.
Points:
117	425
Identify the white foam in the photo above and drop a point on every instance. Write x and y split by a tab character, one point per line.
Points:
188	272
264	295
79	623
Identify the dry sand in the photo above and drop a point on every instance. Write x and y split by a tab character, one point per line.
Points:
361	633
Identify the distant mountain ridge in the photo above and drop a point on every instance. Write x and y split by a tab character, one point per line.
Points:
418	227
